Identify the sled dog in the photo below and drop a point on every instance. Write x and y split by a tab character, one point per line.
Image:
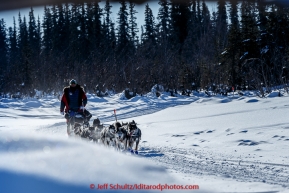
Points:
107	136
120	138
95	130
134	136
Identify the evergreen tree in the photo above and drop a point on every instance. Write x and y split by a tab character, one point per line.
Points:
249	30
122	29
112	35
82	33
3	44
3	54
13	56
263	38
37	70
95	27
75	39
232	53
33	41
253	66
277	27
47	32
163	52
206	18
60	31
221	26
47	63
107	21
33	37
13	47
132	25
66	26
55	29
163	17
149	27
25	57
198	9
180	15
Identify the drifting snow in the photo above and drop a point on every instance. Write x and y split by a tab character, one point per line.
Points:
32	161
223	144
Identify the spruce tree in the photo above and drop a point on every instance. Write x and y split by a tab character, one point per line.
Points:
75	39
277	27
122	29
97	26
33	41
47	32
132	25
180	15
231	53
26	64
149	26
60	31
249	30
163	17
32	31
3	54
107	21
253	68
221	26
13	57
206	18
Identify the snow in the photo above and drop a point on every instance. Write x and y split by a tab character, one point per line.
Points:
222	144
265	50
225	52
244	55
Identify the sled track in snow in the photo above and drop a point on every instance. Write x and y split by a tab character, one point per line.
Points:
203	163
135	112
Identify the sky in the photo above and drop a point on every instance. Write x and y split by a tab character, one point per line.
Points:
235	143
38	11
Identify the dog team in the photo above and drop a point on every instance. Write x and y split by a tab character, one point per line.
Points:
123	137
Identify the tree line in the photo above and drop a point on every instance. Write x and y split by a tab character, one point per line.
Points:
186	47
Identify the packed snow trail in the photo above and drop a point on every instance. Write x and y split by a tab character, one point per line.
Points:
200	162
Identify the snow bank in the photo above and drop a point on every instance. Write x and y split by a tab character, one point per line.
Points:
31	162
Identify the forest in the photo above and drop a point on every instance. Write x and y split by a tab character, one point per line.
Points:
242	44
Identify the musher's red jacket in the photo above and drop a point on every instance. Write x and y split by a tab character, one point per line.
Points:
65	103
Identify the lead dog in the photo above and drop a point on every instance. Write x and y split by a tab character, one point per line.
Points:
134	136
120	137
